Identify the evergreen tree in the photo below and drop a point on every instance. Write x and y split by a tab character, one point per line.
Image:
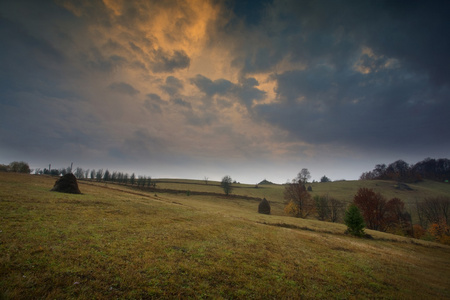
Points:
354	221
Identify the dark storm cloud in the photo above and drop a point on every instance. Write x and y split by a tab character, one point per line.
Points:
182	103
374	111
154	103
168	62
96	60
373	74
312	32
154	97
250	11
123	88
415	32
209	87
172	85
244	92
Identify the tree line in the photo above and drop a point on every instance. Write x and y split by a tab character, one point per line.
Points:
114	177
16	166
429	168
100	175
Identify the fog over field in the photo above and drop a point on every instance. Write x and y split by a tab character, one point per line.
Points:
250	89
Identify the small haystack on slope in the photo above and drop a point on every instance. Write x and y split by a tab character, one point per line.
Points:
66	184
264	207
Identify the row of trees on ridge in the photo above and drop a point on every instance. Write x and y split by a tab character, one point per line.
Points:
429	168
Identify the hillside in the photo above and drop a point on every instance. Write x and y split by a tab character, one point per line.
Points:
341	190
120	242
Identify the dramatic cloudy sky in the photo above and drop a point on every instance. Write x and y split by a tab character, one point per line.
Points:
250	89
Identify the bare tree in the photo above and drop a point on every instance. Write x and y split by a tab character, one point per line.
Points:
303	176
434	210
328	208
336	209
79	173
322	208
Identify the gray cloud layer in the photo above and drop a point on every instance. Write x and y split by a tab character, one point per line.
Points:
271	78
395	96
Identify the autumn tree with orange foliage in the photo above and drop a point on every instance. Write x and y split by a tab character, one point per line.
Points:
433	214
440	231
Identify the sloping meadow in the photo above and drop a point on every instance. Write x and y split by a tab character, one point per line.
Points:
117	242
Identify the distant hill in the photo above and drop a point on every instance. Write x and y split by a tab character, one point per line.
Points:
265	182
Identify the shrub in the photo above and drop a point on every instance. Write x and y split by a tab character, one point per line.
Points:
264	207
418	231
226	185
292	209
441	232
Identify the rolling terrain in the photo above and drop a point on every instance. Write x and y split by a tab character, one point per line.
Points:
116	241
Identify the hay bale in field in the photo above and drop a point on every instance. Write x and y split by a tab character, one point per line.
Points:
264	207
66	184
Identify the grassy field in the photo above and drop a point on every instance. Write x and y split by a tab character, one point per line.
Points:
120	242
341	190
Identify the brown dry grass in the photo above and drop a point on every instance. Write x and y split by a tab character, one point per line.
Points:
122	243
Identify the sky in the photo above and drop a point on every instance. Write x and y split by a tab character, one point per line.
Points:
207	88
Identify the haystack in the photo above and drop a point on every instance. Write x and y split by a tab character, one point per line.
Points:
264	207
67	184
